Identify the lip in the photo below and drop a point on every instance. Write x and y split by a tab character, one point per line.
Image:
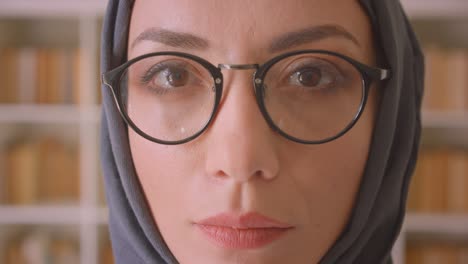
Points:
246	231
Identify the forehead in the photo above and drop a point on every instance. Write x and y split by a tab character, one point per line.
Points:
248	25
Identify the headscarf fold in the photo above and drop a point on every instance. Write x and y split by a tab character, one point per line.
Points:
379	209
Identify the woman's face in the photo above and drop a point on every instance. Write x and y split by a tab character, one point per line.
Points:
239	167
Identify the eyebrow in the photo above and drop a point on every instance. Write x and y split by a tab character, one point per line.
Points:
310	34
283	42
172	38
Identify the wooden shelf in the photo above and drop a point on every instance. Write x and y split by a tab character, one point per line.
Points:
441	224
51	215
445	129
46	114
72	8
51	8
455	120
453	9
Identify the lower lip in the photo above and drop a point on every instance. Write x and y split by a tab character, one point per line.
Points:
232	238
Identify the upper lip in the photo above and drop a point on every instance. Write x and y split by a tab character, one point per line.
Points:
243	221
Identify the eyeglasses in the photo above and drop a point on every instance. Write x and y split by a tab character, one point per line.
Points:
307	96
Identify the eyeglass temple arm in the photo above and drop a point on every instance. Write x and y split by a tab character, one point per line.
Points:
377	74
384	74
105	79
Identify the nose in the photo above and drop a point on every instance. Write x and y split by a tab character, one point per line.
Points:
241	145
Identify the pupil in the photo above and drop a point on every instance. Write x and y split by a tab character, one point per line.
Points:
177	78
311	77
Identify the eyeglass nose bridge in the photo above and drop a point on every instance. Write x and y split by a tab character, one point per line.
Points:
238	66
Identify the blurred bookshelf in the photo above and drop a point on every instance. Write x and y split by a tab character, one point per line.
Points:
52	117
436	226
51	207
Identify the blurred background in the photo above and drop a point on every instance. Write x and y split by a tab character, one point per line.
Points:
52	206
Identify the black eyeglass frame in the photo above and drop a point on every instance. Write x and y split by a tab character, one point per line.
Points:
113	77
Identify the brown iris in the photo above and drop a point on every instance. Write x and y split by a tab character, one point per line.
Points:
177	77
310	77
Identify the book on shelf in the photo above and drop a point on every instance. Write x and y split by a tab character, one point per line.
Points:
76	78
44	245
440	182
446	79
105	248
106	256
436	252
59	172
457	183
40	75
22	173
41	246
27	61
48	83
8	73
44	171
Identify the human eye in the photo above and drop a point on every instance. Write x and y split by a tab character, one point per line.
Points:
169	76
314	74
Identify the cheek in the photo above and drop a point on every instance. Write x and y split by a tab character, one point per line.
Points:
162	173
328	176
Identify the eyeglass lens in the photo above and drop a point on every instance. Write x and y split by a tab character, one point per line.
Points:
313	97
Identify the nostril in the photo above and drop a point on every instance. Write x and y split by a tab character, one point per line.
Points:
258	173
220	174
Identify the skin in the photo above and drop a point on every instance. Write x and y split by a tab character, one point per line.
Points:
239	164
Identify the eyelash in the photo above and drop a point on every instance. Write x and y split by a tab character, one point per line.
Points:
157	69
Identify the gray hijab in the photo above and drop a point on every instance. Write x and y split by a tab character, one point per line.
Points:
380	205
